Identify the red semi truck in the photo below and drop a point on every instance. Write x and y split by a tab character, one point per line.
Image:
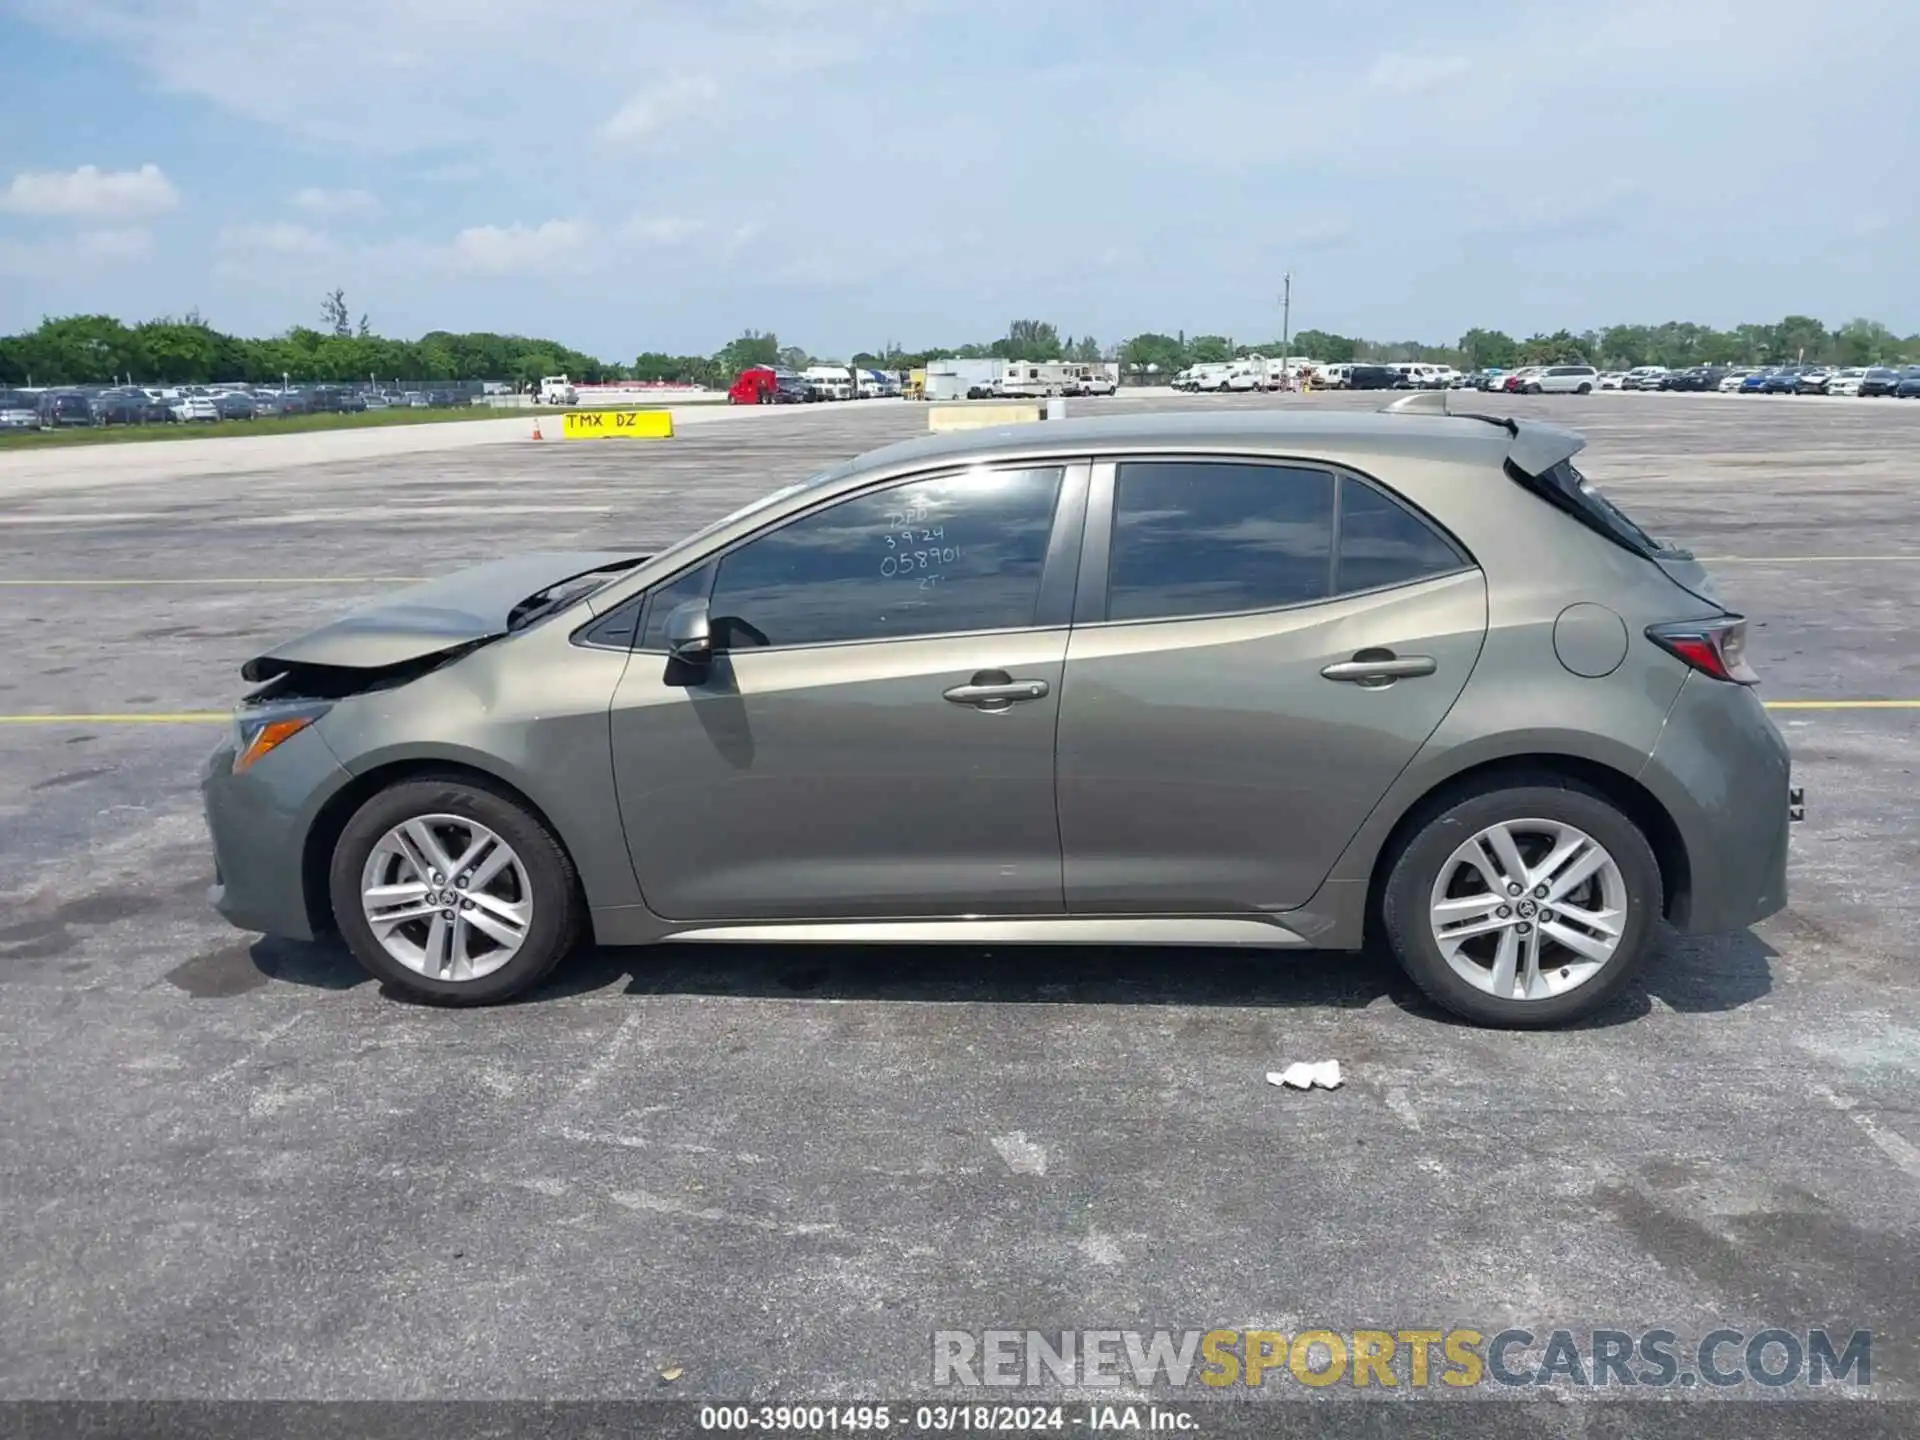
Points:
766	385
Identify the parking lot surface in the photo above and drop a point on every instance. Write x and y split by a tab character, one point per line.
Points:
236	1170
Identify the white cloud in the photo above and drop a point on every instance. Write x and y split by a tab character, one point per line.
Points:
316	201
742	236
126	243
281	237
90	191
47	259
1399	74
648	112
516	249
661	230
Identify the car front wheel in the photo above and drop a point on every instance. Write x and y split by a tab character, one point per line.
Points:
1525	906
453	893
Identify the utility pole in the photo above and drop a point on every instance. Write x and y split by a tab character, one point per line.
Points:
1286	331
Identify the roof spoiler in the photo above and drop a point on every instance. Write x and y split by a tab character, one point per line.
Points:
1436	402
1420	402
1536	448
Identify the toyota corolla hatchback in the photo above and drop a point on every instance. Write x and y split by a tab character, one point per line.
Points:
1311	680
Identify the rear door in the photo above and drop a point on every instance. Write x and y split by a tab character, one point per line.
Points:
1259	650
875	734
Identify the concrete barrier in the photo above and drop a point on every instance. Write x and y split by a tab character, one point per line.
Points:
974	417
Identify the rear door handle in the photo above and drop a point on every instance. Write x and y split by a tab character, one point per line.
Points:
996	694
1379	667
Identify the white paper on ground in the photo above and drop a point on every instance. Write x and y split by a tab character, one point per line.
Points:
1304	1075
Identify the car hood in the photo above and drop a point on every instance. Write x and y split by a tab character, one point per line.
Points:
456	610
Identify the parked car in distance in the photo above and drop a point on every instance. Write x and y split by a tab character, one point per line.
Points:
234	405
1644	377
1909	386
191	409
1609	379
1879	380
1373	377
64	409
18	411
1518	380
469	779
122	407
1784	381
1697	379
1814	381
1563	380
1846	382
1733	380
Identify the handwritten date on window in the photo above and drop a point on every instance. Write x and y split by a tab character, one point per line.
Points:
917	546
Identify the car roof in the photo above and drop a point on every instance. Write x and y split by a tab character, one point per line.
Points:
1329	432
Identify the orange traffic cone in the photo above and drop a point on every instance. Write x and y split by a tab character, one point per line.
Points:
536	429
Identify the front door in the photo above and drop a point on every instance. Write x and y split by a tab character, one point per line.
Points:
1278	644
874	736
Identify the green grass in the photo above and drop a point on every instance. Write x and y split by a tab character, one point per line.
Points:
268	425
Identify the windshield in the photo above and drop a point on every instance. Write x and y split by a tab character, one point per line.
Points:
765	502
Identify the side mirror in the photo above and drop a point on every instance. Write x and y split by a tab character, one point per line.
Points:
690	633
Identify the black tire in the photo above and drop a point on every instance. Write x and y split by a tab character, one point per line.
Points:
1405	899
557	906
1585	389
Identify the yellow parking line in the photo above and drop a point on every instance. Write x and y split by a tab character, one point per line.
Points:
228	580
1843	704
155	717
1800	559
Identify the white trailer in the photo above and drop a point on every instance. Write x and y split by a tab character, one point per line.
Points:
828	382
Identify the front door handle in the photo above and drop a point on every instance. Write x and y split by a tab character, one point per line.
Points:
1376	668
996	690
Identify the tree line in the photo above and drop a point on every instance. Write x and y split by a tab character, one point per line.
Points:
1676	344
98	349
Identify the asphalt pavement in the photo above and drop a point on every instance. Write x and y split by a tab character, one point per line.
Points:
235	1169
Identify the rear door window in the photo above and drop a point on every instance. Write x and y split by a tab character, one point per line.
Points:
1384	543
1213	538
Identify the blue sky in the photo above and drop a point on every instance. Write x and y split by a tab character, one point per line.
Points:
658	175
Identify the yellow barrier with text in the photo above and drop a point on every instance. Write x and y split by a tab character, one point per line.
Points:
979	417
617	425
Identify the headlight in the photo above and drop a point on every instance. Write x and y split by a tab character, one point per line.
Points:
260	729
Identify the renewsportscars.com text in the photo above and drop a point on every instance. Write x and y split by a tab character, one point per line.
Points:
1416	1359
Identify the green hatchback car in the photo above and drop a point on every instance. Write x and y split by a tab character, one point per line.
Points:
1292	680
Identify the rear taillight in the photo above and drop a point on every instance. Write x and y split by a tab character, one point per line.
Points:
1716	647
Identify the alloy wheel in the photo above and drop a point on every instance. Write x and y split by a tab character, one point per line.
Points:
1528	909
446	897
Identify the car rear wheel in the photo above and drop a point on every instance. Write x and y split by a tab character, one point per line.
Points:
453	893
1525	906
1585	389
